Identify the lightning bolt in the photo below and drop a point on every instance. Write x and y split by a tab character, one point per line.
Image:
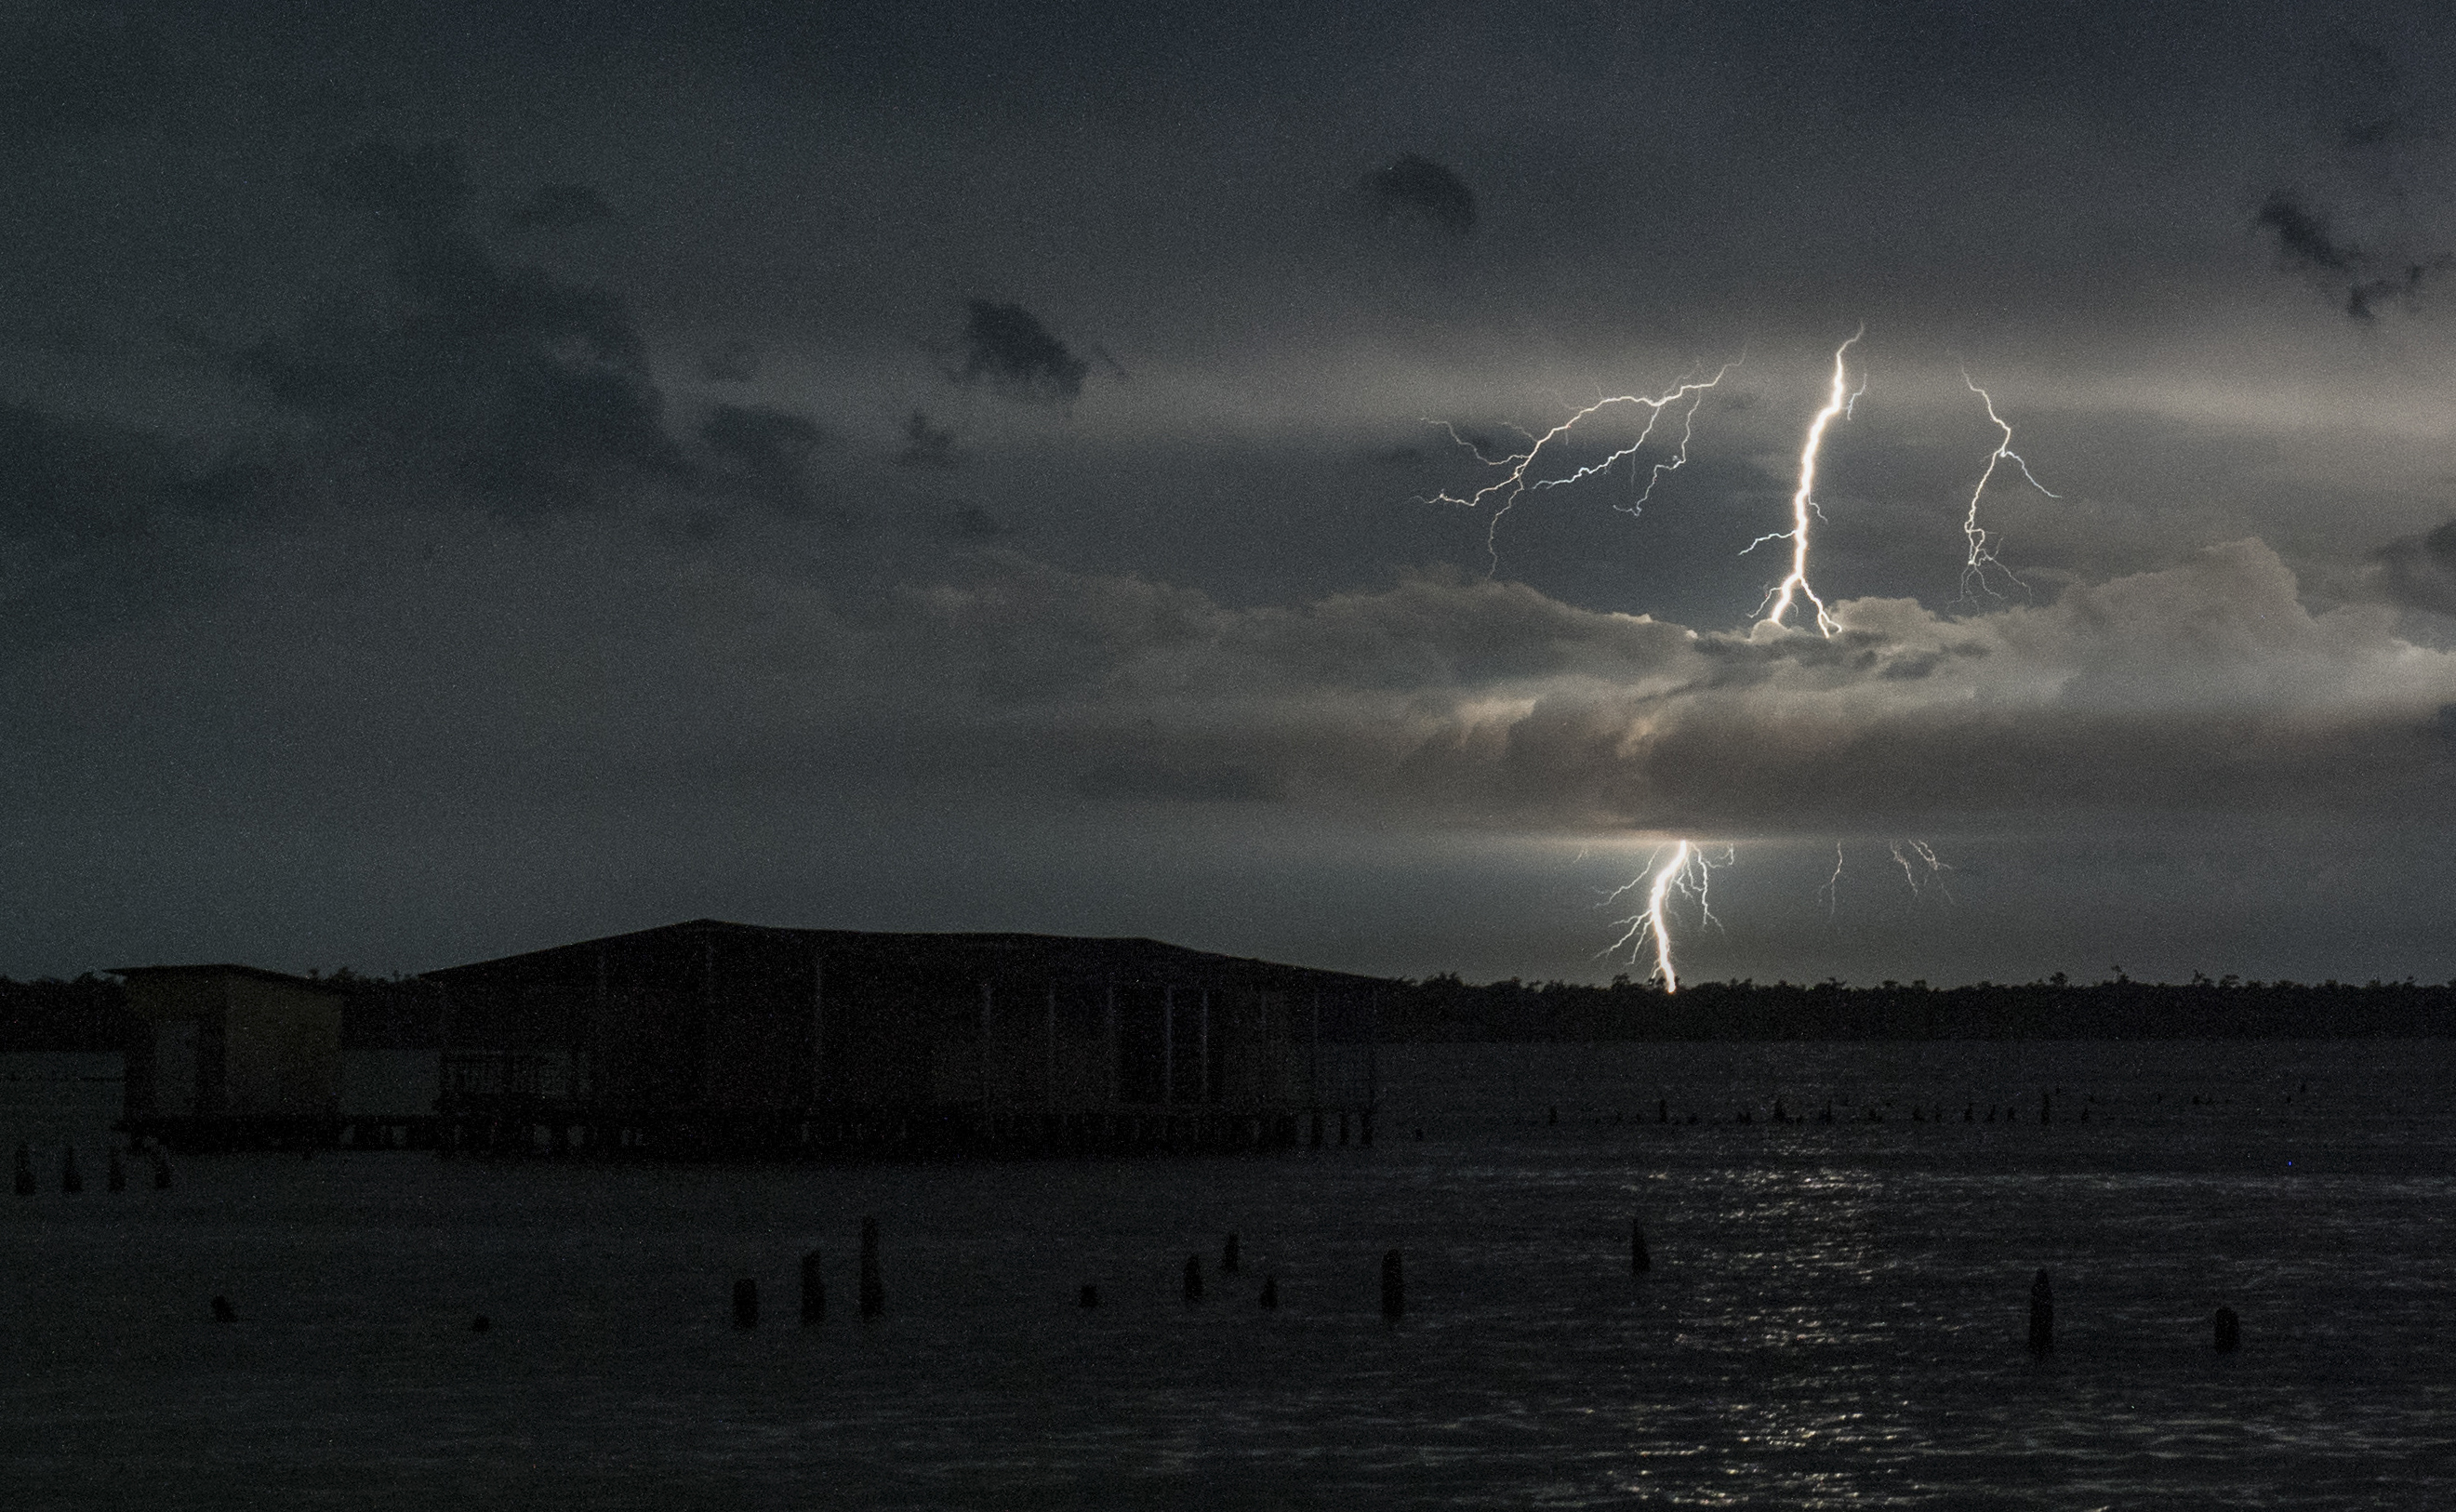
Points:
1840	401
1921	856
1519	476
1832	892
1690	872
1982	553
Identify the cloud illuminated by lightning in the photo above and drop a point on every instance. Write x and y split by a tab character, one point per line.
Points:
1982	553
1519	476
1689	872
1840	401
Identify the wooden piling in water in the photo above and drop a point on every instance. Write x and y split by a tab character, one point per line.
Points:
161	1172
72	1179
873	1289
1394	1286
115	1176
1194	1278
746	1303
1087	1296
1228	1257
2042	1315
1639	1262
1270	1292
2229	1331
26	1182
224	1312
814	1290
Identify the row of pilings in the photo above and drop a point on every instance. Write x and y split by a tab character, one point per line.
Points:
71	1175
953	1132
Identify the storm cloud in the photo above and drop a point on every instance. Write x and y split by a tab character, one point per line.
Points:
2420	571
402	559
1419	189
1006	347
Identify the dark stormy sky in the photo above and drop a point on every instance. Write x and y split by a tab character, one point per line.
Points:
477	476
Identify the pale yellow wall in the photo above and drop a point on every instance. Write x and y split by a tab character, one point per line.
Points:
280	1041
283	1049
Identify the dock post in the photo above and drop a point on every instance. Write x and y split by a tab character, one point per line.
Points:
1639	1262
26	1183
161	1172
1270	1292
873	1290
1087	1296
1228	1257
224	1312
2042	1315
1194	1278
746	1303
1394	1286
814	1290
115	1176
2229	1331
72	1179
1317	1129
1364	1120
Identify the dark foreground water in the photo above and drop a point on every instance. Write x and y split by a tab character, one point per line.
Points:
1835	1317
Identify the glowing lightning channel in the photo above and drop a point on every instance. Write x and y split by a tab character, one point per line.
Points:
1982	553
1839	401
1691	874
1515	483
1925	856
1832	892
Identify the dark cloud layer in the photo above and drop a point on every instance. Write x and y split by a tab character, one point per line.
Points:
560	207
397	564
527	388
1006	347
2306	246
1420	190
2420	571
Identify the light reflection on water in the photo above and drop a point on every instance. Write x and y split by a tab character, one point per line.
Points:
1834	1316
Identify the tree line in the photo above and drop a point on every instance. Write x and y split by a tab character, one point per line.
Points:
1444	1008
89	1012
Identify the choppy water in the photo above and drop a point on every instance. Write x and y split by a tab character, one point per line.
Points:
1835	1317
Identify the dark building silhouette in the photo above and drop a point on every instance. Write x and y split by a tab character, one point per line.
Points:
710	1039
709	1032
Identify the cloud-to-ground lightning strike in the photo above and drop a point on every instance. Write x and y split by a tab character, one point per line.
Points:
1516	482
1690	872
1832	892
1840	401
1982	553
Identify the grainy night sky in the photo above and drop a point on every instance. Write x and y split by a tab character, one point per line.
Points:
477	476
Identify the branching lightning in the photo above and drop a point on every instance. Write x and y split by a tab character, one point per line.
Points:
1689	872
1840	401
1920	868
1686	870
1518	477
1982	552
